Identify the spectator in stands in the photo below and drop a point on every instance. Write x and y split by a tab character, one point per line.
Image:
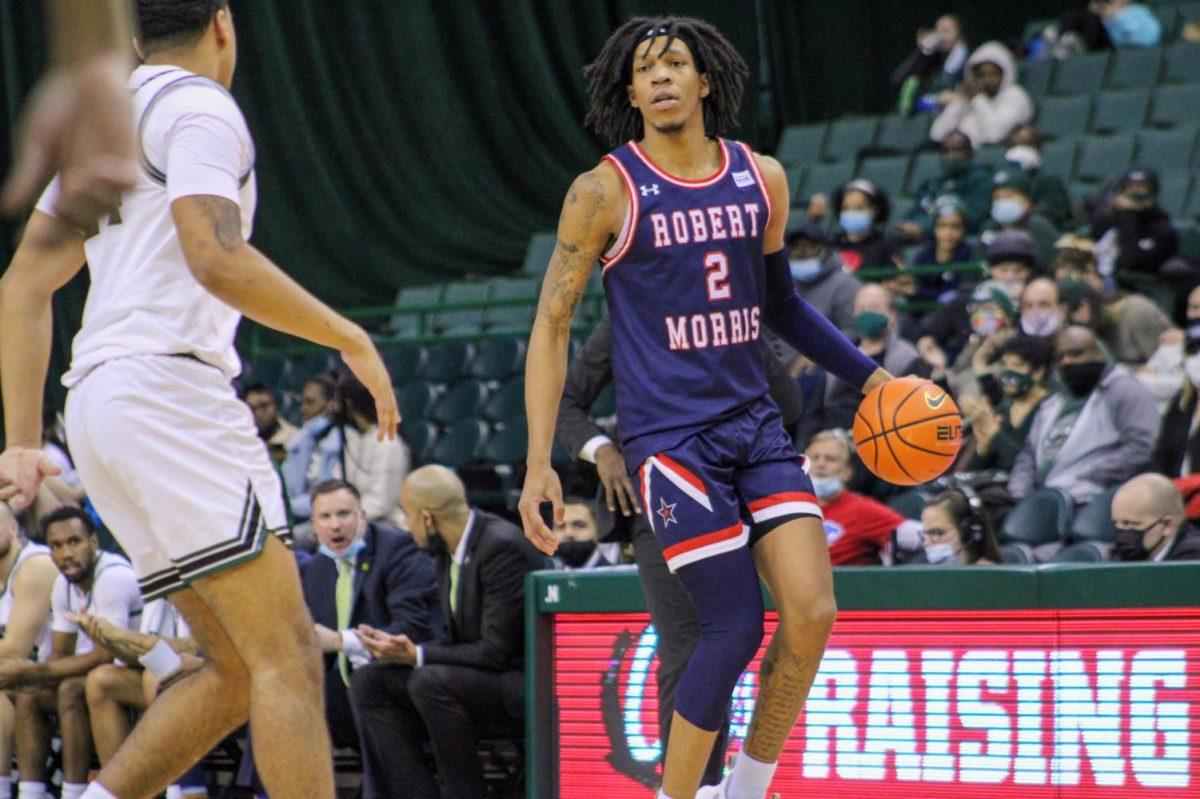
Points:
877	337
116	690
1002	416
273	429
1151	524
816	210
578	547
949	246
1047	192
820	278
376	468
989	104
958	531
1178	451
927	77
314	456
863	210
365	573
1013	210
315	396
1042	311
960	180
468	685
89	580
1128	24
1095	433
1132	233
858	529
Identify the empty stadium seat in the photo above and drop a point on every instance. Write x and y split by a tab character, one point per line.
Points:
302	367
1017	554
800	144
1064	117
1173	194
1168	151
925	165
1093	522
847	137
462	321
1175	105
414	307
508	403
415	401
886	172
461	402
1120	110
1080	74
908	503
1181	63
1058	158
421	436
824	178
990	154
1035	76
537	254
498	358
1040	518
1191	209
460	443
899	133
1087	552
1104	157
447	361
512	304
403	360
508	444
1134	67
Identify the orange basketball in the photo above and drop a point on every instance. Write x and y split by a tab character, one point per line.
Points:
907	431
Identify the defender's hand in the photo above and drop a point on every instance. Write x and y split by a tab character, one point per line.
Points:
22	470
364	360
617	487
541	485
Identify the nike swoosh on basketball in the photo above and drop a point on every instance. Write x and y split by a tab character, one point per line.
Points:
932	403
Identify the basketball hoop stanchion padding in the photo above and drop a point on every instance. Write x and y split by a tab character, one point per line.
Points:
1072	681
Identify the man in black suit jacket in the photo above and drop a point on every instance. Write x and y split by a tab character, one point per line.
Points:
618	515
387	582
467	685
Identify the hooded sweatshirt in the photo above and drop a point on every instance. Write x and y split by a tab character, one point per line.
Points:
984	119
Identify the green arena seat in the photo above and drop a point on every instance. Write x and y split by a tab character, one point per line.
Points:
414	309
1040	518
1058	158
1172	194
1191	209
1035	76
507	403
403	360
415	401
302	367
908	503
446	362
462	321
990	155
825	179
1184	13
886	172
461	402
1181	63
503	316
1168	151
538	252
509	444
1175	105
421	436
1120	110
460	443
899	133
1080	74
847	137
1104	157
800	144
268	369
1093	522
1134	68
498	358
1086	552
1021	554
925	165
1064	117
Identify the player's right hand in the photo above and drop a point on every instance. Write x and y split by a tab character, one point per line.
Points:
541	485
364	360
610	466
22	470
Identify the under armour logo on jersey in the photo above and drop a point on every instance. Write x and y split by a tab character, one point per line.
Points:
648	190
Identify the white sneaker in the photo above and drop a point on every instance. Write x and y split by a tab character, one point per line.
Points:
713	791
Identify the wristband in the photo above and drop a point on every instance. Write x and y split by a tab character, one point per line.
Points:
161	660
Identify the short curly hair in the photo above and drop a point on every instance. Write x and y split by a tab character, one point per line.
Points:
163	24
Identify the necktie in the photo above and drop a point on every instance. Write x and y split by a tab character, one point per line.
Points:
454	570
343	596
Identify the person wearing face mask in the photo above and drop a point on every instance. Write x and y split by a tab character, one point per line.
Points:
989	103
820	278
1178	451
1149	515
577	544
1011	394
958	531
469	682
1042	312
1013	210
1096	433
1132	233
858	529
1047	192
960	180
363	573
863	210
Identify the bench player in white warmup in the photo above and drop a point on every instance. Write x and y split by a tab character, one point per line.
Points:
168	454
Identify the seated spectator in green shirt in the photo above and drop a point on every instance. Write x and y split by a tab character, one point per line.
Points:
1048	193
1013	209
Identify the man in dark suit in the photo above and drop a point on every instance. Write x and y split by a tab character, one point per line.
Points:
618	514
467	685
1151	522
364	573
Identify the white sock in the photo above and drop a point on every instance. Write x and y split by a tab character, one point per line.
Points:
749	778
96	791
31	790
73	790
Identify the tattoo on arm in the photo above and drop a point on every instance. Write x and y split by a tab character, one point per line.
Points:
226	220
563	287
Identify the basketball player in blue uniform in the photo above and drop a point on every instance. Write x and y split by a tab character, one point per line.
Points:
688	229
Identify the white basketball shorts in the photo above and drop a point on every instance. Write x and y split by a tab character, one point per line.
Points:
172	462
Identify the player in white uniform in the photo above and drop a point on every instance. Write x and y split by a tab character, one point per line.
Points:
26	577
167	453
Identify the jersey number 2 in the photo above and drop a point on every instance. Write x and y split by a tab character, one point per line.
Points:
717	265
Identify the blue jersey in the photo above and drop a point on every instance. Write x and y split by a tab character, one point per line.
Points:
685	289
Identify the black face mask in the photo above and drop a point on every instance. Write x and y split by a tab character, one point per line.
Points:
1081	378
437	544
575	553
1129	545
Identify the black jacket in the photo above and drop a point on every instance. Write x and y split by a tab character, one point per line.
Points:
1145	238
873	251
1174	441
1186	545
395	587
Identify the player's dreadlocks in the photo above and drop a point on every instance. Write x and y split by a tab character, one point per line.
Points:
616	120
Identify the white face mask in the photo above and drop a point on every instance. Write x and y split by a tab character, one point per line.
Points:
941	553
1191	368
1040	323
1024	156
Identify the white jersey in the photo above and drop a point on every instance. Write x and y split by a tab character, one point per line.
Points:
7	599
143	299
159	617
114	597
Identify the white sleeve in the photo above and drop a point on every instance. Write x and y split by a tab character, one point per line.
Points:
199	138
58	608
910	535
116	597
48	202
593	445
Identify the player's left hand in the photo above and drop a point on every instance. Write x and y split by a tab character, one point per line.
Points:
364	360
22	470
